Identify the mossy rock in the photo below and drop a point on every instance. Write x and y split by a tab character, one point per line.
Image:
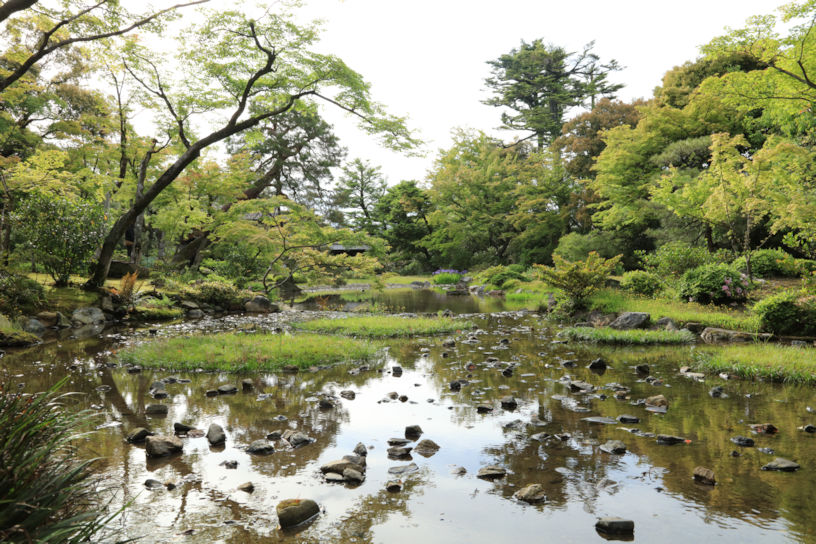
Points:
148	313
292	512
10	338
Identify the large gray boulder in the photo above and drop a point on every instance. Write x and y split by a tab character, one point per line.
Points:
293	512
87	316
260	304
159	446
216	434
34	326
714	335
631	320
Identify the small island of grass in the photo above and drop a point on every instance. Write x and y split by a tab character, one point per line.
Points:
235	352
772	362
383	326
637	337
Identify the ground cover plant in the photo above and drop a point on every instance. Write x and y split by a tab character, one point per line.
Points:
605	335
614	301
237	352
386	326
47	493
765	361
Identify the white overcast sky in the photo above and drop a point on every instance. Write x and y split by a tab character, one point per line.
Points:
426	59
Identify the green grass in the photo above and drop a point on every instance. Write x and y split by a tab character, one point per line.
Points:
233	352
772	362
152	313
385	326
613	301
631	337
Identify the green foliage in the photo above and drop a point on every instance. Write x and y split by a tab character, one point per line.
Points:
576	246
19	294
713	284
640	282
217	293
578	279
446	277
237	352
360	187
614	301
675	258
787	312
499	275
62	234
772	362
768	263
154	313
605	335
386	326
402	213
48	493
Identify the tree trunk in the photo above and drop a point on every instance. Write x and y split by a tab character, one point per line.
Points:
709	238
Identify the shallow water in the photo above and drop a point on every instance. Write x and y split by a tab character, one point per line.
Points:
406	300
651	484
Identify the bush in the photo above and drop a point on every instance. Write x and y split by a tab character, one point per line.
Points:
19	294
713	283
675	258
577	247
767	263
787	312
498	275
580	279
217	293
447	276
641	283
63	234
804	267
47	493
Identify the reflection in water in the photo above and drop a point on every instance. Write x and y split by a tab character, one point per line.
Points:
650	484
404	300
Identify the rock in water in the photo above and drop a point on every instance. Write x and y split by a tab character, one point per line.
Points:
628	419
601	420
246	487
215	434
393	486
657	400
403	469
426	448
669	440
531	493
138	435
159	446
743	441
261	447
781	464
156	409
491	472
352	475
227	389
764	428
614	447
293	512
340	465
360	449
615	526
181	428
509	403
704	476
413	432
597	364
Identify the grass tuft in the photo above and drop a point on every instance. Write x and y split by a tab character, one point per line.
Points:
235	352
772	362
383	326
637	337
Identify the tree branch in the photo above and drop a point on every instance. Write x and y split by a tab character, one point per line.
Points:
13	6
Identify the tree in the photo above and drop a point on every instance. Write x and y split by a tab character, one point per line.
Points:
74	22
360	187
540	82
403	215
254	70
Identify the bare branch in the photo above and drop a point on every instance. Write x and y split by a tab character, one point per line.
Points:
13	6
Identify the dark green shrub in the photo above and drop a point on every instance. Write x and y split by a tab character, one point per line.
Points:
63	234
713	283
641	282
805	267
217	293
767	263
499	275
577	247
19	294
675	258
47	494
787	312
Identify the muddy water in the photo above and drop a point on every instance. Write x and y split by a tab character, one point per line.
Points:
651	484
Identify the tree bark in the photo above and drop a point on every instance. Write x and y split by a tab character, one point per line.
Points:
12	6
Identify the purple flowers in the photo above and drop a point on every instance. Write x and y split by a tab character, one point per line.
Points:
450	271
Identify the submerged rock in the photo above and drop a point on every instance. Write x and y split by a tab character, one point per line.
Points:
615	526
764	428
614	447
227	389
393	486
260	447
743	441
156	410
624	418
704	476
669	440
658	400
403	469
426	448
246	487
532	493
139	434
781	464
600	419
292	512
216	434
491	472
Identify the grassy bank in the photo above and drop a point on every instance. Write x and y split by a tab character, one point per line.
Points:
234	352
636	337
613	301
383	326
771	362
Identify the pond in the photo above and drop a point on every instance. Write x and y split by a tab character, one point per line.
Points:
543	439
406	300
